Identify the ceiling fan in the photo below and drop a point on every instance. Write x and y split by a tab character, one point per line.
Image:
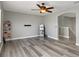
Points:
43	8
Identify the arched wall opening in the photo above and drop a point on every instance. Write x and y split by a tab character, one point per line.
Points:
67	28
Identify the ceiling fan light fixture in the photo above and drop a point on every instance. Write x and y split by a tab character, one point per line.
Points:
43	11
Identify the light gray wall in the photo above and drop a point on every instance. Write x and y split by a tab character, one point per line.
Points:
18	20
0	21
1	26
77	26
51	26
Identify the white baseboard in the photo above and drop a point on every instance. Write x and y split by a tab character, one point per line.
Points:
64	36
53	38
77	44
21	38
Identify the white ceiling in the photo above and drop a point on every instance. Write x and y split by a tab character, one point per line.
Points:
26	6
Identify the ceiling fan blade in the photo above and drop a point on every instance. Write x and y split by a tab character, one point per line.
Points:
35	9
38	5
49	11
50	8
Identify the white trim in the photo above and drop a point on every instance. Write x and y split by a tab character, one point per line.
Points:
1	46
53	38
77	44
21	38
64	36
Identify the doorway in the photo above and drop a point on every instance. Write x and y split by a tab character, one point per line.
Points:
67	28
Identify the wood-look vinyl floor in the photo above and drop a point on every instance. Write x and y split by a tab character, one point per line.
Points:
35	47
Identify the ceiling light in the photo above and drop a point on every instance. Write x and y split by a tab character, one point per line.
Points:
43	11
